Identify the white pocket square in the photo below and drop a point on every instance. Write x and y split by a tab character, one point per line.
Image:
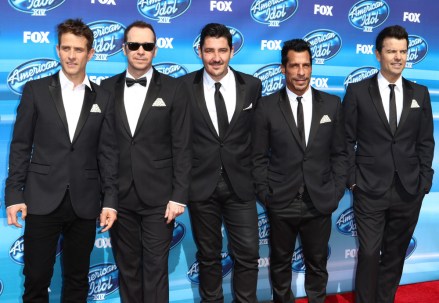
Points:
159	102
414	104
95	109
325	119
249	107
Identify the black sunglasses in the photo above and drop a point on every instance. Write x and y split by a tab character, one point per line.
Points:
133	46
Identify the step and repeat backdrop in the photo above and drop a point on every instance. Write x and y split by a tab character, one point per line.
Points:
342	35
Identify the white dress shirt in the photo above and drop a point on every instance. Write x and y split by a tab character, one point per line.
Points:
307	109
73	98
228	90
383	85
134	97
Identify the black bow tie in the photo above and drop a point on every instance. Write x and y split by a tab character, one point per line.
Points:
131	81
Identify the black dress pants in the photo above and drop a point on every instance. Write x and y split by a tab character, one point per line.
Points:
141	239
299	218
241	222
41	236
385	225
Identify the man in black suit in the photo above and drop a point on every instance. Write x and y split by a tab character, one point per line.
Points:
153	132
299	167
222	101
63	157
389	129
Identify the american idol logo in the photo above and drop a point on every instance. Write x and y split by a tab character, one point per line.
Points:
16	252
325	44
171	69
368	14
360	74
346	223
264	229
177	234
35	7
237	41
411	248
31	70
226	264
273	12
298	260
1	287
162	11
102	280
271	77
417	50
108	38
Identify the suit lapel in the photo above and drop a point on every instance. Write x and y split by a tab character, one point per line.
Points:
151	96
316	114
407	91
55	91
201	101
89	100
378	102
120	104
285	107
240	100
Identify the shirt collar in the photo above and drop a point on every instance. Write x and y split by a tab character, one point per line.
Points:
147	75
66	83
383	83
225	81
306	96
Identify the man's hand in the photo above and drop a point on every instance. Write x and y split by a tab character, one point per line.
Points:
108	217
12	213
173	210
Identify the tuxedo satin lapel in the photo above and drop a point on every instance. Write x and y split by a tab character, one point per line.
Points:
407	91
120	104
55	91
285	108
201	102
317	104
240	100
89	100
377	101
153	91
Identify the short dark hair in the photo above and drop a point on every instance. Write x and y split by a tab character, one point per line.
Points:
141	24
296	45
77	28
394	31
215	30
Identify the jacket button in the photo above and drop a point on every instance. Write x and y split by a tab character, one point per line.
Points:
222	144
133	142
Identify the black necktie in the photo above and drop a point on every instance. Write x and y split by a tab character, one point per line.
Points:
131	81
392	109
221	111
300	123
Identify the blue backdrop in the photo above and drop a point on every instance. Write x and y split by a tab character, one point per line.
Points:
342	35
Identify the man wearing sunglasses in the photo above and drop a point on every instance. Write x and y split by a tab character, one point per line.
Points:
152	126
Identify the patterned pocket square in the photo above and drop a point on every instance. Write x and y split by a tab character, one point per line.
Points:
95	109
159	102
325	119
414	104
249	107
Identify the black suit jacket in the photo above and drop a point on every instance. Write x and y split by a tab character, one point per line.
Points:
157	158
209	152
374	153
43	162
281	163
